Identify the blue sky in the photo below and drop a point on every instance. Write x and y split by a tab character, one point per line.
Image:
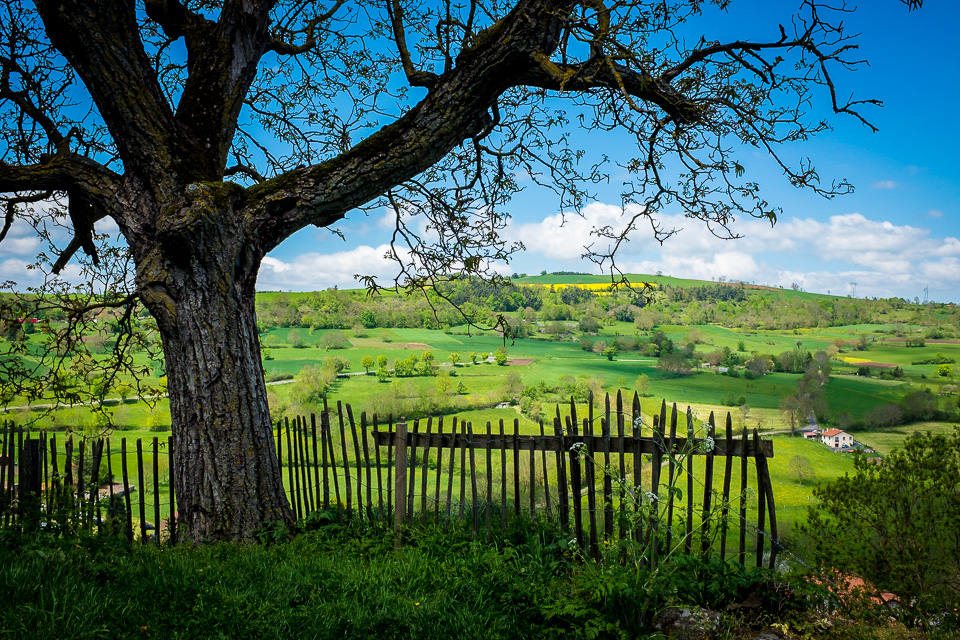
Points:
894	236
898	234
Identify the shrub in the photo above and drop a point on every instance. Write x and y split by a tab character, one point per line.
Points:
896	525
334	340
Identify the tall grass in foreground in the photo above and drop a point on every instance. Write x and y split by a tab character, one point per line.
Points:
350	582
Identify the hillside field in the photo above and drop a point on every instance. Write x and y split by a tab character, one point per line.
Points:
551	360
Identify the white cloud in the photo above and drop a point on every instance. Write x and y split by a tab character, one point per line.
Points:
20	246
884	258
108	226
315	271
13	269
565	237
731	265
949	247
944	272
388	218
935	213
885	184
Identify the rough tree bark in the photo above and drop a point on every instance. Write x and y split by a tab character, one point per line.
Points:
198	282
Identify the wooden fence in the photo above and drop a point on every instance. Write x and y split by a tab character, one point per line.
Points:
602	477
46	483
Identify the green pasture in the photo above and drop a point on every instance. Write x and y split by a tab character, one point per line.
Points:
793	496
898	353
550	362
885	441
860	395
705	391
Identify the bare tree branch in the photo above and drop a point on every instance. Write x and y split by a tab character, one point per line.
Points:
282	35
416	77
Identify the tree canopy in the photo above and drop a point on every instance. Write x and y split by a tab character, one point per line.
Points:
208	131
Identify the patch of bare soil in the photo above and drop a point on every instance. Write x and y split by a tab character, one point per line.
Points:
414	345
519	362
877	365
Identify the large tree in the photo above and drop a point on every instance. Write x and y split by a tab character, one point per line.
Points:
209	131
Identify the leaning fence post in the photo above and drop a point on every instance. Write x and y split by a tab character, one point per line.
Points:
742	556
452	468
688	532
705	518
126	485
766	488
727	471
563	504
400	480
173	511
30	483
156	490
671	471
96	452
605	423
5	430
141	490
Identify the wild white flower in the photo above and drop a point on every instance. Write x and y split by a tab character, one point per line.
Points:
708	444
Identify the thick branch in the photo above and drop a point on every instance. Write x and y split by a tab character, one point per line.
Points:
456	109
245	170
67	172
101	40
222	63
415	77
10	208
175	19
636	84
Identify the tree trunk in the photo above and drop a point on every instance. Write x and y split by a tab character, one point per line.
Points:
199	284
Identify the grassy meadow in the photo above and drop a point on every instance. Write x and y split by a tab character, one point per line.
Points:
549	368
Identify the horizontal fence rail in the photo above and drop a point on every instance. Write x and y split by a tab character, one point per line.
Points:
603	476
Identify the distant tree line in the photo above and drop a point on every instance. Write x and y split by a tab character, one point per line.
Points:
533	310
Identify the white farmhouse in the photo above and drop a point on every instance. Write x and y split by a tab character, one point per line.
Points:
836	439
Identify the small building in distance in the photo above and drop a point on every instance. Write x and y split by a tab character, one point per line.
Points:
810	432
836	439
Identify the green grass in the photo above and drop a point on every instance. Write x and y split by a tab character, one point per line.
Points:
860	395
887	440
351	583
792	496
552	361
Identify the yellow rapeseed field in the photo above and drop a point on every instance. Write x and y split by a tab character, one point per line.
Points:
595	287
